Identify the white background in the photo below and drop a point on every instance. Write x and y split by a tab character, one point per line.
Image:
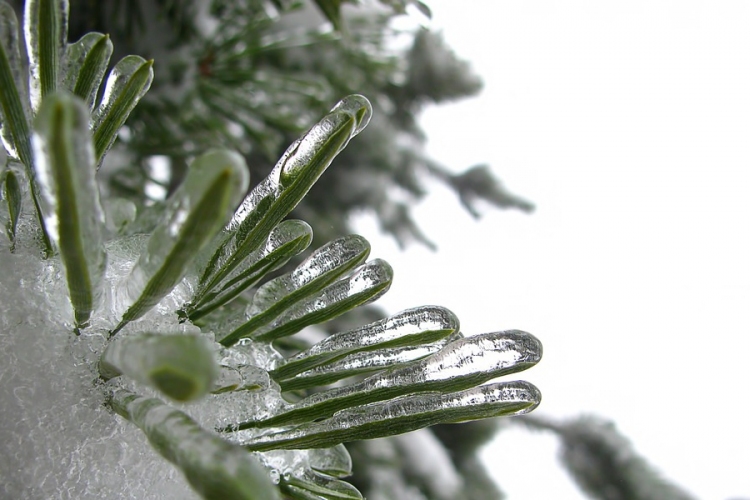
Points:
628	124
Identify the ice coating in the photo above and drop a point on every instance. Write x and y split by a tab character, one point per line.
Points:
323	266
461	364
116	81
359	363
126	84
327	138
285	464
241	378
223	410
487	355
194	213
335	129
181	366
73	215
247	392
365	284
10	40
401	415
411	326
118	214
321	485
92	53
335	461
285	241
274	197
12	195
213	466
46	34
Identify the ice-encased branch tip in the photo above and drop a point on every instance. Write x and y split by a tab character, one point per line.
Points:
194	214
65	167
400	415
277	195
182	367
458	366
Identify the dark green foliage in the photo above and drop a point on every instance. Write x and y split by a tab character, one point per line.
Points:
274	66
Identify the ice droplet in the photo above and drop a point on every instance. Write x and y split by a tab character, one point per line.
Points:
359	106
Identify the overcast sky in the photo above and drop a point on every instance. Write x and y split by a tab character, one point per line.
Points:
628	124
